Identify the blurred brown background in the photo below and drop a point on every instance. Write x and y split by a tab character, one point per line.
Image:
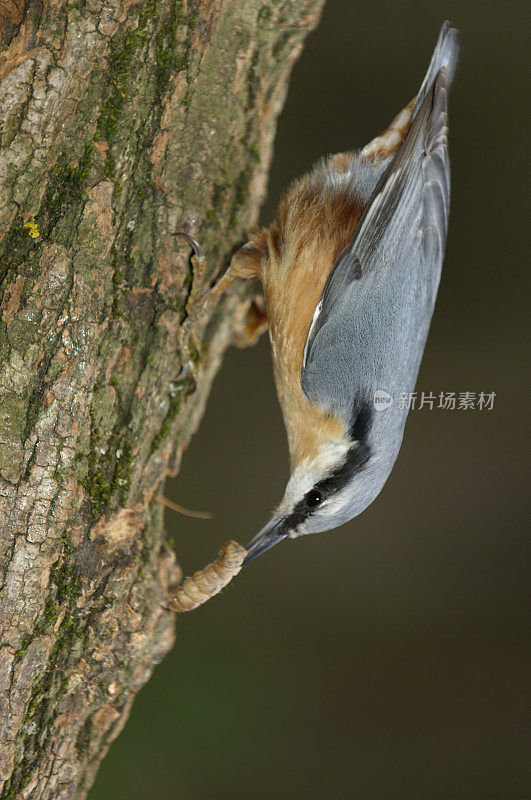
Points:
386	660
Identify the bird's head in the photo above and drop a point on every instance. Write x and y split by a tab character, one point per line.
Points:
329	486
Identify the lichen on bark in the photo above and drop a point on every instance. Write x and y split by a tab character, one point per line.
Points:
121	122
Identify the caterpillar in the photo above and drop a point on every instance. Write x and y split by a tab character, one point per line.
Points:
207	582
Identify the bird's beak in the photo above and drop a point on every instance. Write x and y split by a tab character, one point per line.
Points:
272	534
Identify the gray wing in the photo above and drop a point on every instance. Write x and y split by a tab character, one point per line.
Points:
370	326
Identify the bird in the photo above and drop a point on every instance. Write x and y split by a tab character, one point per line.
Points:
350	268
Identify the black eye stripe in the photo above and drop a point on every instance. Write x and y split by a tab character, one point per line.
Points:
357	457
304	508
362	417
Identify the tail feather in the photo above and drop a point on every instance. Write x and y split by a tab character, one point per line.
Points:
444	56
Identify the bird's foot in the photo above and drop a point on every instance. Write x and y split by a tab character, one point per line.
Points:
188	339
248	330
196	305
188	346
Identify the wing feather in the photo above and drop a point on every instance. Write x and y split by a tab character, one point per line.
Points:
374	311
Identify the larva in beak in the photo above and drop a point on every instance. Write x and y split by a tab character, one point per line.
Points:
207	582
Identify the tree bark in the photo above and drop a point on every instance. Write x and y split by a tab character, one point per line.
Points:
122	122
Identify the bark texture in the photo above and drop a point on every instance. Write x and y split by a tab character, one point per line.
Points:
121	122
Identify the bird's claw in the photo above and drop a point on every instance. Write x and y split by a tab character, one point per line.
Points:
198	250
185	376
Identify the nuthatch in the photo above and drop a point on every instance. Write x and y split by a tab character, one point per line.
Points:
350	269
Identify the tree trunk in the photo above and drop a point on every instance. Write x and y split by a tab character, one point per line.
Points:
121	122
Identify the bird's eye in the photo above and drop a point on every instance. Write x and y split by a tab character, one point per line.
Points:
314	498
